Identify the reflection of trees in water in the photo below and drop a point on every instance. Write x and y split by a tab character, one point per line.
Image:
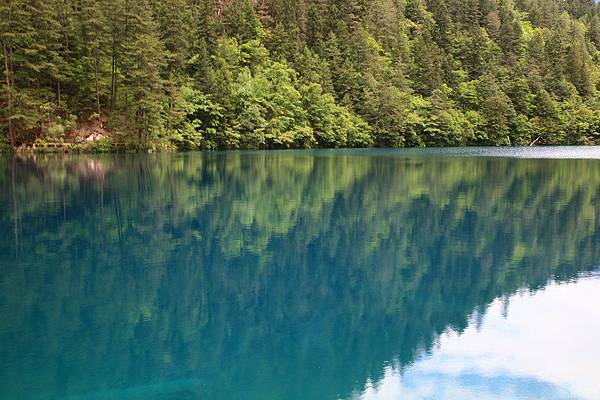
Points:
278	274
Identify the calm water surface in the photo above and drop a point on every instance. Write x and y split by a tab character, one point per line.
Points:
366	274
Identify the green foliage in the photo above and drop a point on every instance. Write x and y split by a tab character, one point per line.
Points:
277	74
185	128
103	145
56	130
333	125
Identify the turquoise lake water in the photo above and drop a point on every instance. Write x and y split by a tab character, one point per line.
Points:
328	274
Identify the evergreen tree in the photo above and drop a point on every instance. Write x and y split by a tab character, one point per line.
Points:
143	59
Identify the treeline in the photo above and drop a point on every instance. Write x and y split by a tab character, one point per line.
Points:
212	74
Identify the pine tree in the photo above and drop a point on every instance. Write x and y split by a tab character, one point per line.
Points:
579	64
510	37
143	61
428	59
93	48
7	32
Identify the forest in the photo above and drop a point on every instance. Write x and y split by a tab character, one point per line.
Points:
263	74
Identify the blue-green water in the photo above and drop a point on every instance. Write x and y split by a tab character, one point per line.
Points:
365	274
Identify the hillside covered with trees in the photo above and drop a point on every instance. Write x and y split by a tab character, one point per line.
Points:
207	74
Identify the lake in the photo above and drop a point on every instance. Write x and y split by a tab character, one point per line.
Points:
327	274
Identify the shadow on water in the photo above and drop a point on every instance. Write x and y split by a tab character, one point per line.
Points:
267	275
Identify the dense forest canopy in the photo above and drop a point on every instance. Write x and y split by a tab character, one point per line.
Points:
231	268
205	74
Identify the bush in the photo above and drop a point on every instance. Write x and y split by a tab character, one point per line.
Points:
104	145
56	131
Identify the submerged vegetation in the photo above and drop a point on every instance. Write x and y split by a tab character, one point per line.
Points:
207	74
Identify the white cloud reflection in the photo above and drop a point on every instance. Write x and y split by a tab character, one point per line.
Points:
547	347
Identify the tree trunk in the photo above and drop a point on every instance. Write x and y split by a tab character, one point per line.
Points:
11	131
97	82
113	70
112	80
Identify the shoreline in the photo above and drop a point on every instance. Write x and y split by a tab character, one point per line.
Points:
120	148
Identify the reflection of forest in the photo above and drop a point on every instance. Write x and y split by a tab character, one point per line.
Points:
258	273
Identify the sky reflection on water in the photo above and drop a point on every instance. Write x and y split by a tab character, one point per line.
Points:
545	345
